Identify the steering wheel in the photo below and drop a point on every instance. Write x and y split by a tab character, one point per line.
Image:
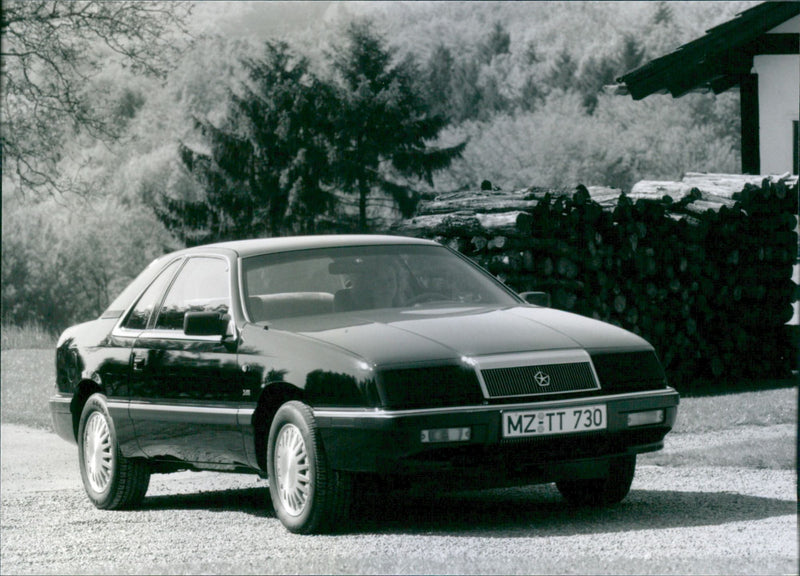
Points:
426	297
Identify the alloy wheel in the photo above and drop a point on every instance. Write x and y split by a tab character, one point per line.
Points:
98	453
292	470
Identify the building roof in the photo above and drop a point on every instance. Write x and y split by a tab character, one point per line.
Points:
719	59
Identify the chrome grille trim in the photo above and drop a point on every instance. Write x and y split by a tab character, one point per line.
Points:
515	375
521	381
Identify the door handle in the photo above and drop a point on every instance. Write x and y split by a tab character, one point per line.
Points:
139	361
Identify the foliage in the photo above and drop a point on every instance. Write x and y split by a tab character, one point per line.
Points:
60	266
498	43
560	144
51	52
600	71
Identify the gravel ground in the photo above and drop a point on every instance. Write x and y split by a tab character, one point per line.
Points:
677	520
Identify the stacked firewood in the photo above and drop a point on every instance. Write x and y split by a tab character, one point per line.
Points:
701	268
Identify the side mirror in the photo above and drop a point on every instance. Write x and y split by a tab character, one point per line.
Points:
205	324
537	298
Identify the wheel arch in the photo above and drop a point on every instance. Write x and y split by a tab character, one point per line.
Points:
271	399
83	392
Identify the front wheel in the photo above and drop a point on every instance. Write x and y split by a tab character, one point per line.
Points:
601	491
112	481
308	497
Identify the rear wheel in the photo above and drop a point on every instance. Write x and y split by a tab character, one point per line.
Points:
308	497
601	491
111	481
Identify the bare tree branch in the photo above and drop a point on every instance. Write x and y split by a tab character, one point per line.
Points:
51	50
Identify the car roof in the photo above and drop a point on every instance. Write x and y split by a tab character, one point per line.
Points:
245	248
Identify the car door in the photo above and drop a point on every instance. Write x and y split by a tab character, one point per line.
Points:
185	389
114	371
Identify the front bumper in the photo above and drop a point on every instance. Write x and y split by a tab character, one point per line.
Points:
389	442
61	415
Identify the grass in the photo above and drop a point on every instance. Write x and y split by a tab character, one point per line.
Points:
28	336
762	408
773	453
769	417
27	380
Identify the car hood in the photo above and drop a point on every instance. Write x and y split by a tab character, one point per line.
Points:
385	337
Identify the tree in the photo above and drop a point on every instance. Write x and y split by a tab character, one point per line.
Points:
631	55
595	74
266	164
467	96
383	122
439	80
61	267
51	52
663	14
561	75
498	42
532	93
662	33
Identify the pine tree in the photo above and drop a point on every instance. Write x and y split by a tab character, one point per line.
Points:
264	174
499	42
439	80
467	98
383	122
595	74
561	75
631	55
663	14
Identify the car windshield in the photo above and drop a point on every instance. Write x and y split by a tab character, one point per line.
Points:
344	279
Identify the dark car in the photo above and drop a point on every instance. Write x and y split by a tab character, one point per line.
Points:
320	361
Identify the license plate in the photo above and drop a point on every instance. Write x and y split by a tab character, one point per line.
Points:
556	421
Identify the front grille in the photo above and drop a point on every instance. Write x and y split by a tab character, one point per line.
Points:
430	387
539	379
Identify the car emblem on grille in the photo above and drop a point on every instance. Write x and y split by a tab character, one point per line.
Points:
542	379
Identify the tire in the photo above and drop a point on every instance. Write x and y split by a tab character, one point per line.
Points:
601	491
308	497
111	481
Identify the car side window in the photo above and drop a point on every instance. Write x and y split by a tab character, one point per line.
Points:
202	285
141	312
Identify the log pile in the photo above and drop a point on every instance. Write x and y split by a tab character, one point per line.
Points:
701	268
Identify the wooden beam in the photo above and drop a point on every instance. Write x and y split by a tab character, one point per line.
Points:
711	68
748	94
723	83
775	44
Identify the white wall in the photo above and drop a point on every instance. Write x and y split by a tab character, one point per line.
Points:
779	104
